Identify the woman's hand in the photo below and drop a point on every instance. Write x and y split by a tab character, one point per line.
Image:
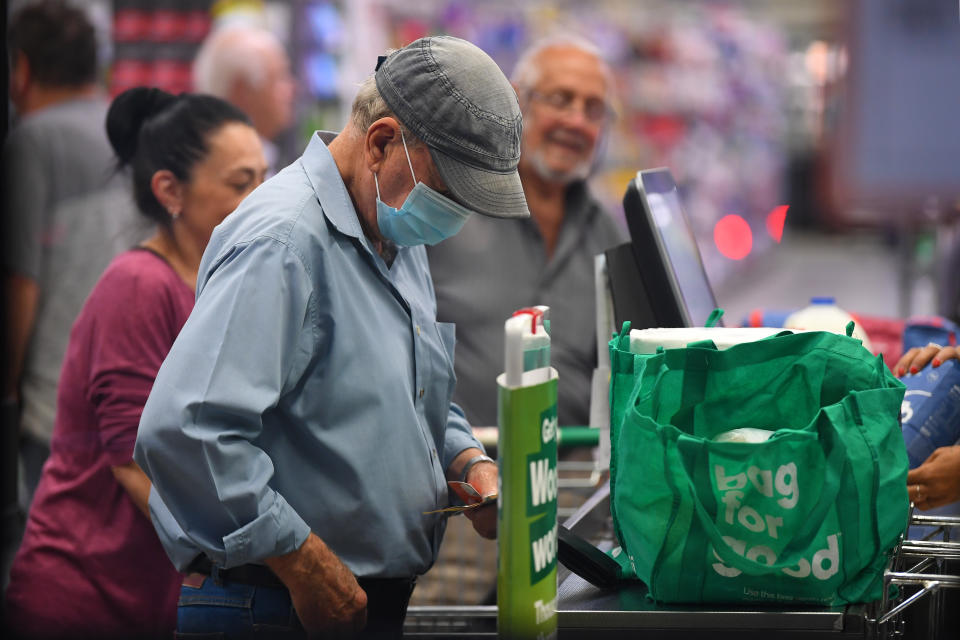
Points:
937	481
917	358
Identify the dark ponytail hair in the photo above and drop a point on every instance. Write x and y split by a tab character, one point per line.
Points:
152	130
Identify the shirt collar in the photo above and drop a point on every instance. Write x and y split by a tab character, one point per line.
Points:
328	185
578	207
333	196
577	196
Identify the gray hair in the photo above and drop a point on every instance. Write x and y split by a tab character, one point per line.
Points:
229	53
369	106
526	73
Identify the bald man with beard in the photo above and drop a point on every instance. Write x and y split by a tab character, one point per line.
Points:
489	270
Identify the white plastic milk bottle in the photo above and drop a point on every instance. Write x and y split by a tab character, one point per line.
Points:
824	315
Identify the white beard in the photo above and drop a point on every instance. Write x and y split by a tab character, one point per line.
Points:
579	172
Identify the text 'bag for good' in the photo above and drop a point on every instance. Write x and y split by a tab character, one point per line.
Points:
808	515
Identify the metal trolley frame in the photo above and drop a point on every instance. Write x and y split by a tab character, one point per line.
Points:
919	568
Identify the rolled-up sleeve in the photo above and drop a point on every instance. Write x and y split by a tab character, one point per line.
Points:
249	339
459	436
180	549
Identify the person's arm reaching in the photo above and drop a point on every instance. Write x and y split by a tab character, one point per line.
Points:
936	482
918	357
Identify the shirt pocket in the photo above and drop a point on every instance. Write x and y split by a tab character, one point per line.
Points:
448	340
443	339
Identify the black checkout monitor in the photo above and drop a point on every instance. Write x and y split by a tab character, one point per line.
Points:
657	279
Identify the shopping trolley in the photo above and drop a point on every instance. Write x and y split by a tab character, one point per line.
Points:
920	571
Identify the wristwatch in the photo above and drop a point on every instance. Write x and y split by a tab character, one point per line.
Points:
472	461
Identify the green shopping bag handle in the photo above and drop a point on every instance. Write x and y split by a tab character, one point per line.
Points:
690	447
621	341
714	317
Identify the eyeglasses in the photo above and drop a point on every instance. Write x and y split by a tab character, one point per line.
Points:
562	101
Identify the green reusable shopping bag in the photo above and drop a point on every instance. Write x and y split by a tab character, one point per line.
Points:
810	515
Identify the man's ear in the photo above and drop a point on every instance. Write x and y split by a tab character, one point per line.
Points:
168	191
379	135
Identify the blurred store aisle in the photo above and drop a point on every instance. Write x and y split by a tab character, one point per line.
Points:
859	269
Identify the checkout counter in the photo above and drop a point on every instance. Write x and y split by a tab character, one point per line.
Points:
921	569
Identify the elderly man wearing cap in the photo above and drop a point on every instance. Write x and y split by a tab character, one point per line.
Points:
301	426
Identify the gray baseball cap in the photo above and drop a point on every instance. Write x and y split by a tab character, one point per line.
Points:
455	98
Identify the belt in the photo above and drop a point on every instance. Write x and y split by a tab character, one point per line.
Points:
256	575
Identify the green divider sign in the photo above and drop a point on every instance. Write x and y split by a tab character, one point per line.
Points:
527	509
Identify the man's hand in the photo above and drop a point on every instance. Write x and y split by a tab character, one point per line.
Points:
937	481
325	594
483	476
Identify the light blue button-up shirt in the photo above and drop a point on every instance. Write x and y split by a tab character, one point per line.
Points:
308	391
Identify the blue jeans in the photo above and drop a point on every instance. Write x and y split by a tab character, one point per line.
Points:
235	611
209	608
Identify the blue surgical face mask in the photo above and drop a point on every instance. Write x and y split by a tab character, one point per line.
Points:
426	216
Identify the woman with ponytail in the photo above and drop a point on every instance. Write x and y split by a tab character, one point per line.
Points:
90	563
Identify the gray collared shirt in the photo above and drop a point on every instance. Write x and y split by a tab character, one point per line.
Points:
494	267
67	213
308	391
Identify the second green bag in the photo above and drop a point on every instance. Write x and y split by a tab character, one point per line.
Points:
806	516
